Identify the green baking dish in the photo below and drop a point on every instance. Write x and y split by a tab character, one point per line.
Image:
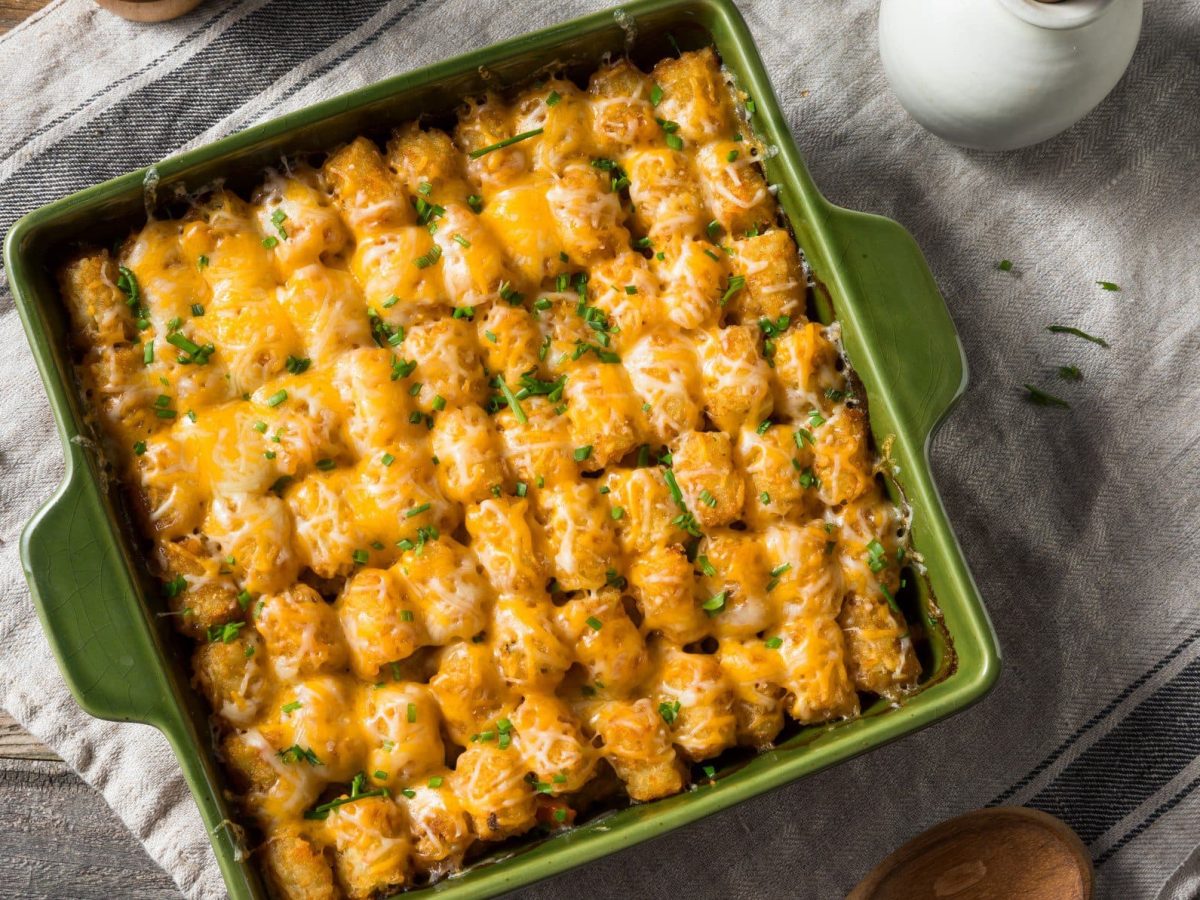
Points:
97	604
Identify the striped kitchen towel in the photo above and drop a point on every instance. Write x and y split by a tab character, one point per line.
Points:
1082	525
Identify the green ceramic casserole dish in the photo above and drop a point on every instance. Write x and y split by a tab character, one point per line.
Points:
97	604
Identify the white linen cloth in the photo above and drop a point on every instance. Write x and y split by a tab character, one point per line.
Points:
1081	525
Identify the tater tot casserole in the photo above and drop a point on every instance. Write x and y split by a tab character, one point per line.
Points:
497	473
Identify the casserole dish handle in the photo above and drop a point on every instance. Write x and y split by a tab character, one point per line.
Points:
88	604
903	319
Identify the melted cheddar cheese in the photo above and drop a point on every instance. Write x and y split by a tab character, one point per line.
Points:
495	473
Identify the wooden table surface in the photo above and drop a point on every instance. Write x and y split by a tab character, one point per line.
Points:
13	12
60	839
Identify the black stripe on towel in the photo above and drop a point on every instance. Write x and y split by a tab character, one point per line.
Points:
1126	767
250	56
24	139
1095	720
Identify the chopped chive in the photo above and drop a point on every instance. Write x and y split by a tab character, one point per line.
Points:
711	255
128	284
731	156
1066	329
360	556
270	242
669	711
513	403
429	258
408	792
618	512
631	288
148	353
202	262
224	634
390	302
594	623
875	556
296	753
773	643
714	604
412	712
326	465
417	510
705	566
553	98
1070	373
297	365
736	283
674	141
656	95
525	135
1109	286
321	812
139	448
197	309
582	453
676	493
1005	265
1042	398
751	107
183	343
461	241
291	707
276	398
475	202
387	459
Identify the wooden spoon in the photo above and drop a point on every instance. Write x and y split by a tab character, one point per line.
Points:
149	10
989	854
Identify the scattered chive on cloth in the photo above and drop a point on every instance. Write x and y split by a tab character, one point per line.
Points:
1081	523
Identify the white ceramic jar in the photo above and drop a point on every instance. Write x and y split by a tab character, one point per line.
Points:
1002	74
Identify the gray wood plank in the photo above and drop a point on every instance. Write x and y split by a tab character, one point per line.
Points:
17	743
61	840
